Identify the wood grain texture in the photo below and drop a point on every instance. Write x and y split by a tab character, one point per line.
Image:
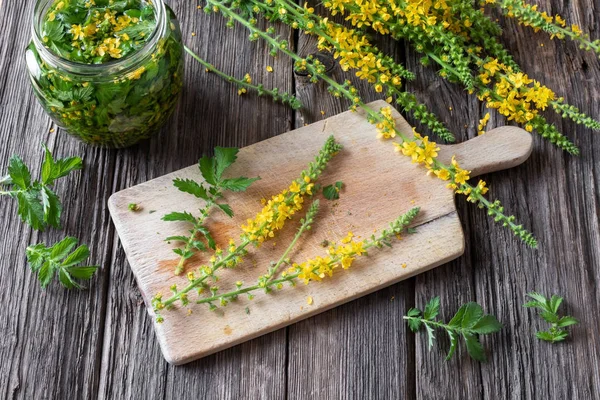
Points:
387	183
99	343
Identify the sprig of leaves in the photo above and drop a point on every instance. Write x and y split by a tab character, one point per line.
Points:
212	169
549	312
332	192
39	206
59	259
468	322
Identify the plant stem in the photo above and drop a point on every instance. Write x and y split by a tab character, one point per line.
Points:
195	230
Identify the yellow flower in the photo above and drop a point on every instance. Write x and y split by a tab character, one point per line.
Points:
269	68
77	32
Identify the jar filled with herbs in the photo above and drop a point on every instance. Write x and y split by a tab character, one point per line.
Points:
109	72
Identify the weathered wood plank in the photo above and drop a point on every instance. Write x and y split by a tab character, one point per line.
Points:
557	197
51	339
361	349
209	114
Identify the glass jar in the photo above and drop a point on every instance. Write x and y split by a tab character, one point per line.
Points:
113	104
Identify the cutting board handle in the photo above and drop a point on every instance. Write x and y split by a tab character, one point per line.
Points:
500	148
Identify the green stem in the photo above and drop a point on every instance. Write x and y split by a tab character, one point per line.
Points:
274	93
197	226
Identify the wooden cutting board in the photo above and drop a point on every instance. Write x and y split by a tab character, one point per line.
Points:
379	185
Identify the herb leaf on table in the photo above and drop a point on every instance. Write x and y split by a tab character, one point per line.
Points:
549	312
60	259
39	206
212	169
468	322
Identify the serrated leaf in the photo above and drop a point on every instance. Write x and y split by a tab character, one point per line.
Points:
332	192
226	208
224	156
61	249
198	245
177	239
79	255
567	321
456	321
453	343
532	304
191	187
85	273
414	325
211	242
539	298
19	173
414	312
207	168
51	206
30	209
35	256
237	184
549	317
430	336
65	166
45	273
545	336
47	166
474	347
66	280
473	312
487	324
432	309
180	216
555	302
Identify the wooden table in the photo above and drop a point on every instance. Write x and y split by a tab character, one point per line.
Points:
99	343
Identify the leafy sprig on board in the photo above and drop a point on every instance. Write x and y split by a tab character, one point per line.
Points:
39	206
332	192
468	322
212	169
60	259
549	312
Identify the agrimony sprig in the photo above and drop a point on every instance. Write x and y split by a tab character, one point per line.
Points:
549	312
245	84
469	322
39	206
262	227
60	259
211	190
340	256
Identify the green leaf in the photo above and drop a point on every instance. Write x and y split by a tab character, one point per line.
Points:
414	312
30	209
487	324
539	298
474	347
237	184
555	302
226	209
211	242
35	256
566	321
19	173
453	343
85	273
414	324
224	156
65	166
332	192
177	239
473	312
549	317
180	216
52	207
79	255
532	304
207	168
47	166
66	280
45	273
456	321
198	245
191	187
432	309
548	336
61	249
430	336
